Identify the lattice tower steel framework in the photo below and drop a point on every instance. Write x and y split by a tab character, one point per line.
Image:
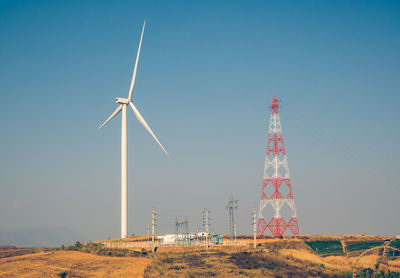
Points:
183	224
232	205
276	192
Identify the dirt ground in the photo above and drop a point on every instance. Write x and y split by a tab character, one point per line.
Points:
76	264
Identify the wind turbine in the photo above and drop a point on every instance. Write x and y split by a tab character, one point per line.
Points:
123	103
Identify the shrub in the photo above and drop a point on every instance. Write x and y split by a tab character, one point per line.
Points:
63	274
177	267
347	275
99	249
247	260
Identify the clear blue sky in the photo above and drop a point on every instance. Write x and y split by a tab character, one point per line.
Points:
206	75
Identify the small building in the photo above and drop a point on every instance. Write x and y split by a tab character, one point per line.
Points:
190	239
217	239
170	238
201	234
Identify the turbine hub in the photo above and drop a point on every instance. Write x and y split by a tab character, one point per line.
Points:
122	100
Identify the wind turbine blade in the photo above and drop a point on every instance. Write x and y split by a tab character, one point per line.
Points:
146	126
135	69
112	116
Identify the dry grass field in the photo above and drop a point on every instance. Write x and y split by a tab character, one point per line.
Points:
74	264
230	263
10	251
287	257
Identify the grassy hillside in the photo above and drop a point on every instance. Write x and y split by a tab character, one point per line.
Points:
71	264
289	257
231	263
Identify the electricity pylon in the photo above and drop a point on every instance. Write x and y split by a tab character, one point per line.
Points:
276	192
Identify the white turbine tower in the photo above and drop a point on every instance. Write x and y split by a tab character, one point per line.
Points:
123	102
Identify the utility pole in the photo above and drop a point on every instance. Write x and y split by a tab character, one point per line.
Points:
205	220
153	220
232	204
207	227
186	223
176	225
148	235
255	228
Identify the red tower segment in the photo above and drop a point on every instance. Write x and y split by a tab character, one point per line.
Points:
276	191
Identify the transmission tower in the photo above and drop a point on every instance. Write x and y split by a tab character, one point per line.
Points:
180	223
276	192
206	223
206	220
254	229
232	204
153	224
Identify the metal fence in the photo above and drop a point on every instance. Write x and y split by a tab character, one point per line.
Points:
143	244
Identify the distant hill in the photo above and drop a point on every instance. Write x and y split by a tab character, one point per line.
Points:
40	237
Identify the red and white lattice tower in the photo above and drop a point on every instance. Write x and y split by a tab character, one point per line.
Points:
276	192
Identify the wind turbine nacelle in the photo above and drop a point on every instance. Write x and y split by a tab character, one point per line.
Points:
121	100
